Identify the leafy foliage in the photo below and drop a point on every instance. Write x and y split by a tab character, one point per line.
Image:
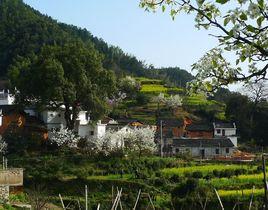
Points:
69	75
243	32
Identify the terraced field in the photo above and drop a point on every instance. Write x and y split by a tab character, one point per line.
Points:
225	178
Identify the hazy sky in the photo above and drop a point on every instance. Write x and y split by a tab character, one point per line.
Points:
152	37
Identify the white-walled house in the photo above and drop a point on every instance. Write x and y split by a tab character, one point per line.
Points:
226	130
92	130
203	148
83	126
53	119
6	98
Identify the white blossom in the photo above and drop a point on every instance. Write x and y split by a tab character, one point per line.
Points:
64	137
128	141
174	101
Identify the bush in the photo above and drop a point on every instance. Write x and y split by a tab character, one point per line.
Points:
197	174
216	173
175	178
227	173
142	99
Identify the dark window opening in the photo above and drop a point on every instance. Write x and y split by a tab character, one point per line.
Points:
227	150
217	151
223	132
218	131
87	116
92	133
177	150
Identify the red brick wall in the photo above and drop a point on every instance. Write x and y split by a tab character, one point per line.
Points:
200	134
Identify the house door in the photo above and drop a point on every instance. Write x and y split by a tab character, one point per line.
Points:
202	153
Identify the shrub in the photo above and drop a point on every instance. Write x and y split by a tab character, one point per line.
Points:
175	178
142	99
158	182
197	174
216	173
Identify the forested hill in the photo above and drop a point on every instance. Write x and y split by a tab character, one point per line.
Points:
24	31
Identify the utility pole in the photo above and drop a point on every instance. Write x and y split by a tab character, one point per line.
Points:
161	138
86	196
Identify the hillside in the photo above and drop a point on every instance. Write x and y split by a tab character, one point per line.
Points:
145	107
24	31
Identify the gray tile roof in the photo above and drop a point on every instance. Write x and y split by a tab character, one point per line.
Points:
215	142
224	125
199	127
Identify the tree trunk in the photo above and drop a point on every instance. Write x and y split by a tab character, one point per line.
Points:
70	116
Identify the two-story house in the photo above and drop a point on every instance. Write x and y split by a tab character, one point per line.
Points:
227	130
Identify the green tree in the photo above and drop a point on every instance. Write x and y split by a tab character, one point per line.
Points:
242	30
71	75
238	110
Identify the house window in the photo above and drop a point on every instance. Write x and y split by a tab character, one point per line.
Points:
217	151
223	132
92	133
177	150
227	150
51	115
218	131
87	116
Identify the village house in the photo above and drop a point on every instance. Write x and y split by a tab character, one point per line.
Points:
124	125
226	130
169	128
13	116
201	148
199	130
54	120
6	98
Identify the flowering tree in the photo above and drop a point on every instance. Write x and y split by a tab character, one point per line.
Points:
243	31
160	98
174	101
139	140
64	138
143	140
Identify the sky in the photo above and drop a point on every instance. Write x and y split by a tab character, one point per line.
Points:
152	37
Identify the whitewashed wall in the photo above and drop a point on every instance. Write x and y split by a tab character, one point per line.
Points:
209	151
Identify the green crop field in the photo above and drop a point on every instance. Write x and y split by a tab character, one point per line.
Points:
157	88
153	88
241	194
236	182
204	169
